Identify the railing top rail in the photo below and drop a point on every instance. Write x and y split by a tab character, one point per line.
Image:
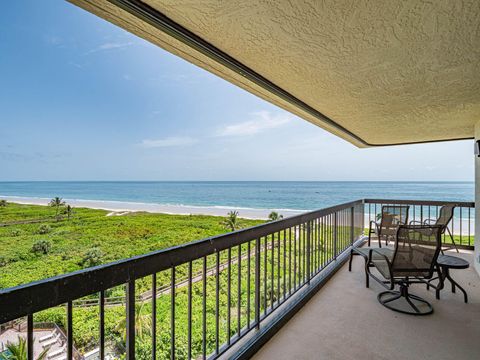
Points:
420	202
25	299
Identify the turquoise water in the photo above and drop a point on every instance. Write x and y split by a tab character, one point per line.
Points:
295	195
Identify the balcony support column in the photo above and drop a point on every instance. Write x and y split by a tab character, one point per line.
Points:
476	260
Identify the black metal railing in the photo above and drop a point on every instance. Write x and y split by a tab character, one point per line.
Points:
460	230
199	299
202	296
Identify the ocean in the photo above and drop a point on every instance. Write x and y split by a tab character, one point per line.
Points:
279	195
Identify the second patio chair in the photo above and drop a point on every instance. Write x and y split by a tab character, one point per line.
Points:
444	217
392	216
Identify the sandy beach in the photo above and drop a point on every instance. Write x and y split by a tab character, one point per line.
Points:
120	206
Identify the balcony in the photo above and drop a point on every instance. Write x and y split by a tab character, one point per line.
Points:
229	295
345	321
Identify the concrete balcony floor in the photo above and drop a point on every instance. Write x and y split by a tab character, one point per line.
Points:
345	321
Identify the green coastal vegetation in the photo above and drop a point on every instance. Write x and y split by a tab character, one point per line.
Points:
61	242
39	242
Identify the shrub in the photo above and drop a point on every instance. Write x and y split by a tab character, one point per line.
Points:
44	229
15	232
3	261
274	216
57	203
42	247
3	203
92	257
68	211
232	221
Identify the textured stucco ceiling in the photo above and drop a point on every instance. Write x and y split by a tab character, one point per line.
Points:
387	71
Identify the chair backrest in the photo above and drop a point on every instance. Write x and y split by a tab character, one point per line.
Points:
416	250
446	214
392	217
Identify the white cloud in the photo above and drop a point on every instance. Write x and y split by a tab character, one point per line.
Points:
168	142
77	65
53	40
175	77
110	46
261	121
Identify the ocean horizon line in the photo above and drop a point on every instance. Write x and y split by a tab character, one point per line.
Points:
236	181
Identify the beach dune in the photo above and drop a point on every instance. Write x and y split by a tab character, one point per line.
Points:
121	206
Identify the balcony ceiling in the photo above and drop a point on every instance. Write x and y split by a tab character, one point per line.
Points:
373	72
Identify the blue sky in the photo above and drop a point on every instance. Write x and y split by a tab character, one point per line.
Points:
81	99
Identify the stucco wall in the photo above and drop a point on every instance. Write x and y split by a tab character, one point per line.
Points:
477	203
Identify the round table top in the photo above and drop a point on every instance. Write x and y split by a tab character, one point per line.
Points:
452	262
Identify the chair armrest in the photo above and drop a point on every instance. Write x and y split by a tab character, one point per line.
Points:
389	264
413	222
378	252
376	231
429	221
375	225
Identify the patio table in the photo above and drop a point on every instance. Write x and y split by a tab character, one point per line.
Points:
445	263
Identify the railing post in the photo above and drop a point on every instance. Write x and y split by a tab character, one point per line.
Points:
309	233
102	325
69	330
257	283
154	316
29	337
352	224
130	320
362	219
335	235
172	311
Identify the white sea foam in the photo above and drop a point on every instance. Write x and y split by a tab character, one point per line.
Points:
466	226
174	209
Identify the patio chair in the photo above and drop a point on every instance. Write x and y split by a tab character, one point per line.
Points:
392	216
445	216
413	261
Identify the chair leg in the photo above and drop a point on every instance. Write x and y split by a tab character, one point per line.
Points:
367	276
451	237
393	298
442	275
412	304
350	260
